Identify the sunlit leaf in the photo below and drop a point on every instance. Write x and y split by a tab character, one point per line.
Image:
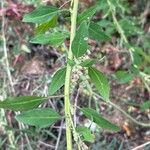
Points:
21	103
58	81
98	119
41	117
100	81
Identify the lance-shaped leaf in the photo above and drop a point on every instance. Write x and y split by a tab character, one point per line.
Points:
96	33
41	14
42	28
58	81
79	44
21	103
55	38
41	117
87	14
100	81
99	120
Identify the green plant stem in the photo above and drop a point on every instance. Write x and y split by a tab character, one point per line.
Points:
121	32
123	112
74	11
118	108
118	27
128	116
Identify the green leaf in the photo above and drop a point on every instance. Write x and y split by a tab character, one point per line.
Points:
100	81
128	26
137	59
41	117
124	77
134	70
147	70
42	28
103	6
104	23
87	63
21	103
97	33
145	105
79	44
55	38
98	119
58	81
108	27
86	134
87	14
41	15
146	43
141	52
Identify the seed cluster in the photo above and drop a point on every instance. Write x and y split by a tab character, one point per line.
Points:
79	72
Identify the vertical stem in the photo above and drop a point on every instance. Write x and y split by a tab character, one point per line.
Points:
5	51
74	11
119	28
6	66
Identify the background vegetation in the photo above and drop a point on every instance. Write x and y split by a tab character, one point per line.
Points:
26	68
